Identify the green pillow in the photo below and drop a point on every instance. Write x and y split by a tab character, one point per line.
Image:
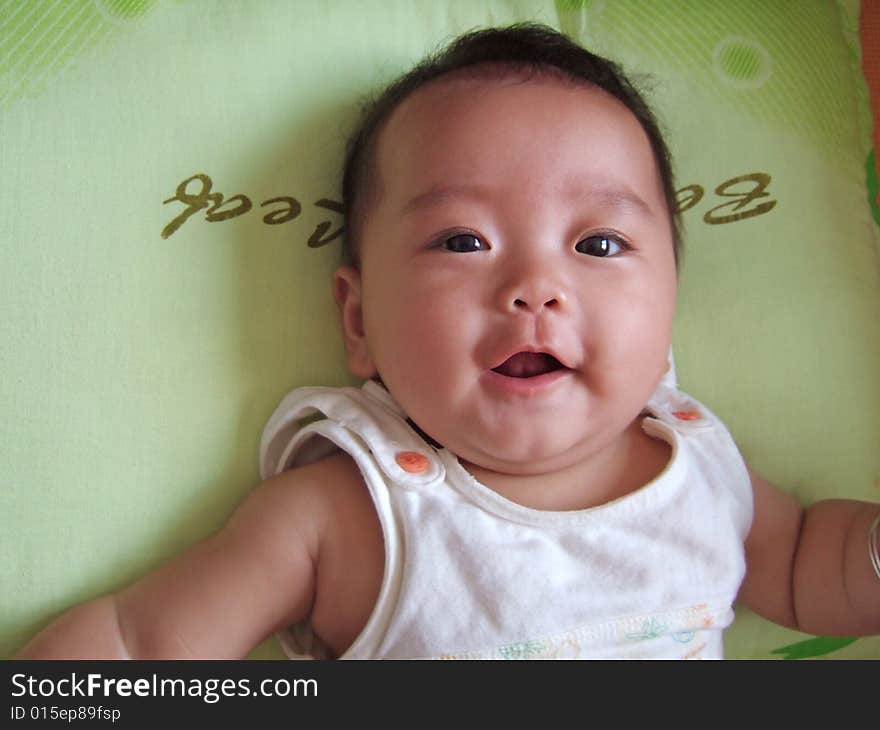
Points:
170	218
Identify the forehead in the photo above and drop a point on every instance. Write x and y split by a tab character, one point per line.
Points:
512	130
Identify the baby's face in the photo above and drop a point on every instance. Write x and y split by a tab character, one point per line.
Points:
515	218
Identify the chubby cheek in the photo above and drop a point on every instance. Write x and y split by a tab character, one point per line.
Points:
637	340
417	336
625	320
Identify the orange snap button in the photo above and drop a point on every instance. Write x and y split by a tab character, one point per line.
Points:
687	415
412	461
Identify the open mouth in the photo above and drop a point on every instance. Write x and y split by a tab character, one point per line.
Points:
528	365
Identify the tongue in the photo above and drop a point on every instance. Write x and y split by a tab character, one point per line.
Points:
528	364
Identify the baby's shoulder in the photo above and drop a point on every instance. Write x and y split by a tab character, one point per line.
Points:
333	506
319	494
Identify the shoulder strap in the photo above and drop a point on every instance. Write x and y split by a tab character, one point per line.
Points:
369	415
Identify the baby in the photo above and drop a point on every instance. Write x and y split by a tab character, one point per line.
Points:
519	476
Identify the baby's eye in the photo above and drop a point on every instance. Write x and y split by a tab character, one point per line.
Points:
600	245
463	243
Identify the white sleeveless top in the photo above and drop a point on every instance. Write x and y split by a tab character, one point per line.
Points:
470	574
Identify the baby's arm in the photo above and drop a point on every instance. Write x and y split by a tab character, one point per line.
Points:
809	569
217	600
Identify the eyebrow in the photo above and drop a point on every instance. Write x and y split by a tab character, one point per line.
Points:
438	195
612	196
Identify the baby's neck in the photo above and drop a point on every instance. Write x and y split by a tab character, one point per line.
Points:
634	460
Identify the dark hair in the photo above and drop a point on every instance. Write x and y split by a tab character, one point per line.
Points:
527	47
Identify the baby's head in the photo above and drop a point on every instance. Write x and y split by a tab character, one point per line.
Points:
510	216
523	50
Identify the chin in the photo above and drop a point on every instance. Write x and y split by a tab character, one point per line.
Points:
526	459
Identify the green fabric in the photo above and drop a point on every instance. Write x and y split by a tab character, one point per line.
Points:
143	350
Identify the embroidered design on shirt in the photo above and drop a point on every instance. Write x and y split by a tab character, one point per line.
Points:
651	629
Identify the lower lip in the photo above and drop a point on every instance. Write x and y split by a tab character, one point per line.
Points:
537	385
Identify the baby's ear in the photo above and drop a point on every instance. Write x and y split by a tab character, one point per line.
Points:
347	293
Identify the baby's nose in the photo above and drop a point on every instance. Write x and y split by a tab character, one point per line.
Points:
534	303
532	284
534	295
